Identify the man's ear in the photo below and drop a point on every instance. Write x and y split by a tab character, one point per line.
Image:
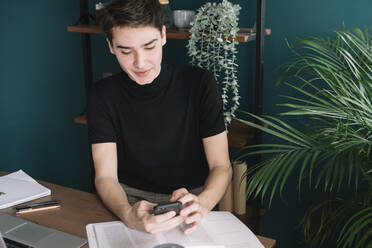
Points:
163	35
110	46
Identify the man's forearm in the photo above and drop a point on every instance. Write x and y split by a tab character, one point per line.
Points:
113	195
215	186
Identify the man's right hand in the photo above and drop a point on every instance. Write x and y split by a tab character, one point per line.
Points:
140	217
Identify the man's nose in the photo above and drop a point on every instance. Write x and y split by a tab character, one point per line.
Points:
139	60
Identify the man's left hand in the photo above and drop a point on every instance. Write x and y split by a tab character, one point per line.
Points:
193	211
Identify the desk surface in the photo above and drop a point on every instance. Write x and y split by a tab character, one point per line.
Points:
78	208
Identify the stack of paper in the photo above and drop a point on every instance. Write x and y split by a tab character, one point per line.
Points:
217	230
18	187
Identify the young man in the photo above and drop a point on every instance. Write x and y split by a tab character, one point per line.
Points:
157	130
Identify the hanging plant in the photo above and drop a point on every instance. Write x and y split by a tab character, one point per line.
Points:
212	46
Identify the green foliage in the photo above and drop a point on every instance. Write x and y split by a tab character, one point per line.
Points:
333	79
209	49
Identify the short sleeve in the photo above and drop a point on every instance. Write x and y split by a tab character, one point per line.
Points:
211	107
99	118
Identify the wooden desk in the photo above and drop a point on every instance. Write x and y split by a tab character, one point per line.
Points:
78	208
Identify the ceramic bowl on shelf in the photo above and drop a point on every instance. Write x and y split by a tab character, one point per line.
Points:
183	18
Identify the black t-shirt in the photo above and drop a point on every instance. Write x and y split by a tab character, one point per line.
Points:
158	127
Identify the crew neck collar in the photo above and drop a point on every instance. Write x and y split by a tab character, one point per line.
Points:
147	90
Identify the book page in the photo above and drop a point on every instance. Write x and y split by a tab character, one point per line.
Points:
91	235
116	234
218	230
199	238
229	231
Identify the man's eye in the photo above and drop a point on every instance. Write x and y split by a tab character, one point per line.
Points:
125	53
150	48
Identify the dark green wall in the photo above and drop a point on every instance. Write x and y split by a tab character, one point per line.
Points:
41	84
41	91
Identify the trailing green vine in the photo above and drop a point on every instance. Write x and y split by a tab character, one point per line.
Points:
209	49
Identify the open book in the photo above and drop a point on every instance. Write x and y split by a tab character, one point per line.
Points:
218	230
18	187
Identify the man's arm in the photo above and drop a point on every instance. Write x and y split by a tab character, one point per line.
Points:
112	194
220	173
106	180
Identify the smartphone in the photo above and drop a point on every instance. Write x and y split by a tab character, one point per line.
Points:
166	207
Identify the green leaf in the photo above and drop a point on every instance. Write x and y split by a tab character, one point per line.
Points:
332	80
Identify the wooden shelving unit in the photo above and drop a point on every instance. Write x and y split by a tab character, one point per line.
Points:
244	34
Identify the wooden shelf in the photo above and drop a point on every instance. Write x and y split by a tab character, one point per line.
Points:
237	136
82	119
244	34
239	133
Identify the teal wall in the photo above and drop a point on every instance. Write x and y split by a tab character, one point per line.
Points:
41	91
41	84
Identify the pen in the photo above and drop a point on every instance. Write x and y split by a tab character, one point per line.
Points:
38	205
29	210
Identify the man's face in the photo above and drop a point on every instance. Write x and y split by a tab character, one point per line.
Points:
138	51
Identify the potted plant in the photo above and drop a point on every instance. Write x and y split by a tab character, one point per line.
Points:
212	46
333	81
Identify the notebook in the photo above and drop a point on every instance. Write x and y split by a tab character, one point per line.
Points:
18	187
18	232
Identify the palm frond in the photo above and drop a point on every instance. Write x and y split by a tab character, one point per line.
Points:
333	81
357	230
324	222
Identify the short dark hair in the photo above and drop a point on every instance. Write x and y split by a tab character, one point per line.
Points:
130	13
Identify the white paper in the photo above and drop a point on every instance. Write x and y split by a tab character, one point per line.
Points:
18	187
91	236
228	230
218	230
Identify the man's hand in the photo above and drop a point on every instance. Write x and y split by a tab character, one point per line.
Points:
140	217
193	211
